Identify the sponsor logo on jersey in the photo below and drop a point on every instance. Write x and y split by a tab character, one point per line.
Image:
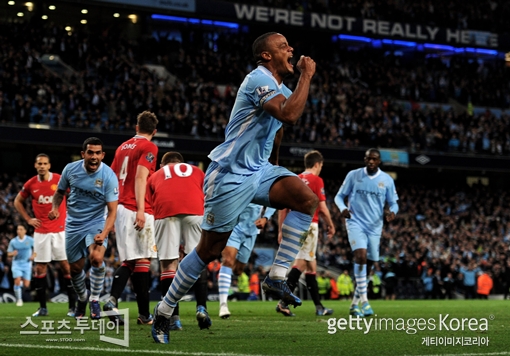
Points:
149	157
366	192
43	199
98	183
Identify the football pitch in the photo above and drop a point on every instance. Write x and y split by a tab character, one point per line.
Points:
402	327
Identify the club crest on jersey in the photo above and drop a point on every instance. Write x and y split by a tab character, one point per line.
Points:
149	157
98	183
53	187
322	191
210	218
380	185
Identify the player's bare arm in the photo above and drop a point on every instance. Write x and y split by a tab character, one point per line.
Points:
289	110
324	212
109	223
19	204
58	197
142	173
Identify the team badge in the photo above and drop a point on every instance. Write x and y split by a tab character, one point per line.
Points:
210	218
98	183
53	187
149	157
380	185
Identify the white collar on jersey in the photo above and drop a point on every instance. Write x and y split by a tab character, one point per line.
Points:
374	175
268	72
50	177
140	136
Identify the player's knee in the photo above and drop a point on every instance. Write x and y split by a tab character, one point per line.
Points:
40	269
96	260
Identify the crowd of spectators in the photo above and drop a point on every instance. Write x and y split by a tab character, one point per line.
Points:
353	100
487	15
441	231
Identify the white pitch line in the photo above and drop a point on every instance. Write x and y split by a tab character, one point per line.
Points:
126	351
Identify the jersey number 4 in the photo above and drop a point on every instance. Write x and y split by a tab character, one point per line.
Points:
123	170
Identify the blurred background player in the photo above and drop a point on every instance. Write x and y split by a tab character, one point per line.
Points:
240	244
175	192
21	250
306	258
135	160
93	190
367	190
49	236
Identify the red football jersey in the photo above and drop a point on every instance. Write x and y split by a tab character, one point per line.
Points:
137	151
177	189
42	199
316	184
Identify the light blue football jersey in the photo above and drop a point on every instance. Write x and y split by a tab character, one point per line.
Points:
24	248
88	195
367	196
250	131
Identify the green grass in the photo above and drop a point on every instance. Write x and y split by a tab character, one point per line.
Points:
256	329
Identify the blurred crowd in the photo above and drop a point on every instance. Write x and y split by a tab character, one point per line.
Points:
355	101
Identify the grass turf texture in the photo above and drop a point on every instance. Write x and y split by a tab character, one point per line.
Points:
256	329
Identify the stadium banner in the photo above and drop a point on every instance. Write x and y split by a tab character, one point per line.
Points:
345	24
176	5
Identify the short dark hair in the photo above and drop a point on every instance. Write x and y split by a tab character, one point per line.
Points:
147	122
372	150
91	141
313	157
42	155
171	157
260	45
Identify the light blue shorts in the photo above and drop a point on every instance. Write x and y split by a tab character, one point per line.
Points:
228	194
245	233
77	243
23	270
358	238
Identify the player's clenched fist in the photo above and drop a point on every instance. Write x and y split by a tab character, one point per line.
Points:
306	66
53	214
